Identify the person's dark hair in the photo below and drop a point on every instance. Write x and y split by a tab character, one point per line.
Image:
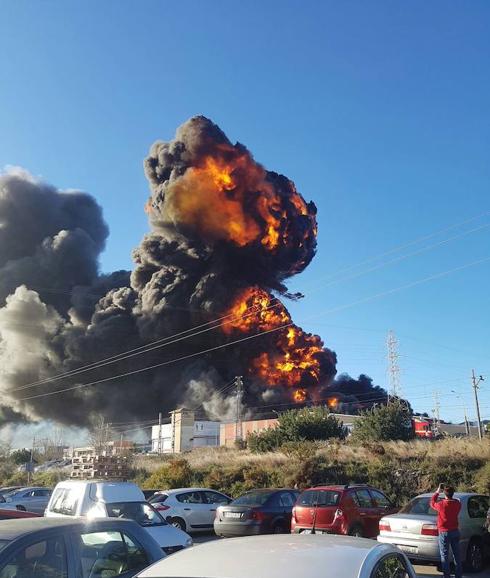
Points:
449	491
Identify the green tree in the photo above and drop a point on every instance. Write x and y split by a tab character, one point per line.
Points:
384	423
21	456
309	424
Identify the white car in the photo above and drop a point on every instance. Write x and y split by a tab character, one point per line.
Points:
33	499
115	500
286	556
190	509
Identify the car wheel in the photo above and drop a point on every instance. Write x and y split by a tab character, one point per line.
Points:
356	531
279	528
21	508
178	523
474	556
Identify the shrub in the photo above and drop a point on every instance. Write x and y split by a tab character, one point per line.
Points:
265	441
309	424
384	423
482	479
174	474
20	457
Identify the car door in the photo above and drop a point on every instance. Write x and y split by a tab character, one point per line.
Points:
214	500
383	505
287	501
368	513
472	522
39	557
193	509
38	500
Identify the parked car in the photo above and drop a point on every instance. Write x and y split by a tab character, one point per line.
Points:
354	510
65	548
190	509
286	557
33	499
16	514
414	530
265	511
115	500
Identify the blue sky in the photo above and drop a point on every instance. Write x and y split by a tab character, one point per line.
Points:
377	110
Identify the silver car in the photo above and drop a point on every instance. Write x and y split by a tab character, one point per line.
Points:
33	499
414	530
190	509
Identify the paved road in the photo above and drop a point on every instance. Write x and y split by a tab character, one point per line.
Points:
422	571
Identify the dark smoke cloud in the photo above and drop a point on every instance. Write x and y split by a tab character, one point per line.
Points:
57	312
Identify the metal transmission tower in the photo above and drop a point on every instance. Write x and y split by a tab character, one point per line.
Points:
239	395
393	367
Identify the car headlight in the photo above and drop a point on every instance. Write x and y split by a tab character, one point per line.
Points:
188	542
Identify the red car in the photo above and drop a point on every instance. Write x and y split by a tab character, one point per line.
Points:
13	514
354	510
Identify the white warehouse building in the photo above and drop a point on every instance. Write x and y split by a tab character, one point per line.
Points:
184	433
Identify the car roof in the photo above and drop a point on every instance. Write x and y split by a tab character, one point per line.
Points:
177	490
458	495
339	487
13	529
271	556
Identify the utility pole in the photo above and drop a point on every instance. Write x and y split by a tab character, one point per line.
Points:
437	410
30	466
239	395
393	367
476	386
159	445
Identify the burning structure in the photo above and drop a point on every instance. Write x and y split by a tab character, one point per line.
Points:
201	305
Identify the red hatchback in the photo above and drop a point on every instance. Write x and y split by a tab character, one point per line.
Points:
354	510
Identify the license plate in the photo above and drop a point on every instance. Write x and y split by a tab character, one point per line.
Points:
408	549
233	515
306	531
311	532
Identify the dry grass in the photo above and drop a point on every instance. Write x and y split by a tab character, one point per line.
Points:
203	458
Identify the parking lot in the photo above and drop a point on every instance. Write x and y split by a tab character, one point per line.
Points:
422	571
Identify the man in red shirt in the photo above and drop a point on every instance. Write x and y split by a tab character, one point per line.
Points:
447	523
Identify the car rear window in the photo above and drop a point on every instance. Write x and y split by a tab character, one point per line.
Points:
319	497
252	499
419	506
65	501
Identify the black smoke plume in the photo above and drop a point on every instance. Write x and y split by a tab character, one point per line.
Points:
225	234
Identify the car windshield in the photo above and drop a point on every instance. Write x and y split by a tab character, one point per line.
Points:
140	512
419	506
252	499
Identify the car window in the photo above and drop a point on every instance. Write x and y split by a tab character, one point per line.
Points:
419	506
3	543
65	502
477	507
286	500
140	512
380	499
109	554
253	499
46	558
308	498
328	498
38	493
190	498
215	498
158	498
392	566
364	499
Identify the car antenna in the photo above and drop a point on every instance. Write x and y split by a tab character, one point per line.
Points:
314	513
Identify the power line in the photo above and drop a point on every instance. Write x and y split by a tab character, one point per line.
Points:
192	331
248	337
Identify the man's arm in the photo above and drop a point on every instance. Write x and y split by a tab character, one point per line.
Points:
434	504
